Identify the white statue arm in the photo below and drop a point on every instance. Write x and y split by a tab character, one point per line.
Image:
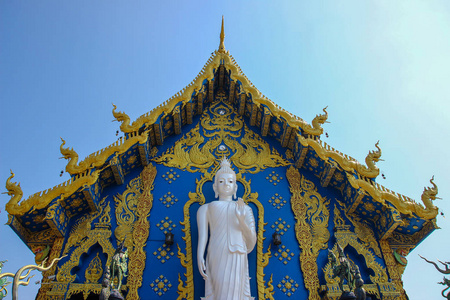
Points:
247	223
202	224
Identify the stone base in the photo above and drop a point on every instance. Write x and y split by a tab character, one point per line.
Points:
344	296
115	295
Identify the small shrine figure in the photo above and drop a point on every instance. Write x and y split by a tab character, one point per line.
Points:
118	268
232	236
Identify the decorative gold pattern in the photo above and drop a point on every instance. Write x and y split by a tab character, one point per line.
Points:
280	226
170	176
274	178
83	237
311	214
277	201
94	271
86	289
166	225
54	253
168	199
125	208
392	269
131	160
363	232
284	254
160	285
163	253
192	153
369	206
313	162
141	231
338	176
346	237
81	230
288	285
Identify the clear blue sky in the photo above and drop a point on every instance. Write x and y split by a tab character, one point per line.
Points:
382	67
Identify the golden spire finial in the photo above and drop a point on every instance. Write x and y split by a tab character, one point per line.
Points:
222	37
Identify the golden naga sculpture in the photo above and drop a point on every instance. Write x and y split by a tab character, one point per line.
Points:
15	191
124	118
72	156
316	128
371	171
429	194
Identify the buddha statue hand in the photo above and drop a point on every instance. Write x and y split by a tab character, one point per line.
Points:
202	268
240	210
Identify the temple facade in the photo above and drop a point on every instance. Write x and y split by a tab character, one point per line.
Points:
145	190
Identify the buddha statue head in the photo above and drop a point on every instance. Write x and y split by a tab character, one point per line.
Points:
225	181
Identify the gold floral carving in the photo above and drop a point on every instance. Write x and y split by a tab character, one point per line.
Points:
391	265
86	289
141	231
87	238
186	288
363	232
251	153
192	159
82	228
55	252
125	208
346	237
311	214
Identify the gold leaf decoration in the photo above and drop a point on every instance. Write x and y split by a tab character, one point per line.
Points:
94	271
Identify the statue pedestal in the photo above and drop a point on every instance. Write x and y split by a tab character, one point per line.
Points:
344	296
115	295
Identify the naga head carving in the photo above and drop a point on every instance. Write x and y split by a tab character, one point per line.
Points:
12	187
320	119
376	154
66	152
431	192
119	116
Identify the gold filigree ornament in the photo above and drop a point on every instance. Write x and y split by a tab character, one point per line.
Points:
311	213
288	285
161	285
141	230
94	271
392	289
87	238
195	154
345	237
365	234
125	206
186	288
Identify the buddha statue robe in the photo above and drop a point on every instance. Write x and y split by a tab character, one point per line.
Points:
226	260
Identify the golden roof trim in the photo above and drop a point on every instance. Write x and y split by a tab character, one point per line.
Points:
347	163
42	199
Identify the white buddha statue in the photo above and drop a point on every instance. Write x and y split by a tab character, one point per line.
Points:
232	236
